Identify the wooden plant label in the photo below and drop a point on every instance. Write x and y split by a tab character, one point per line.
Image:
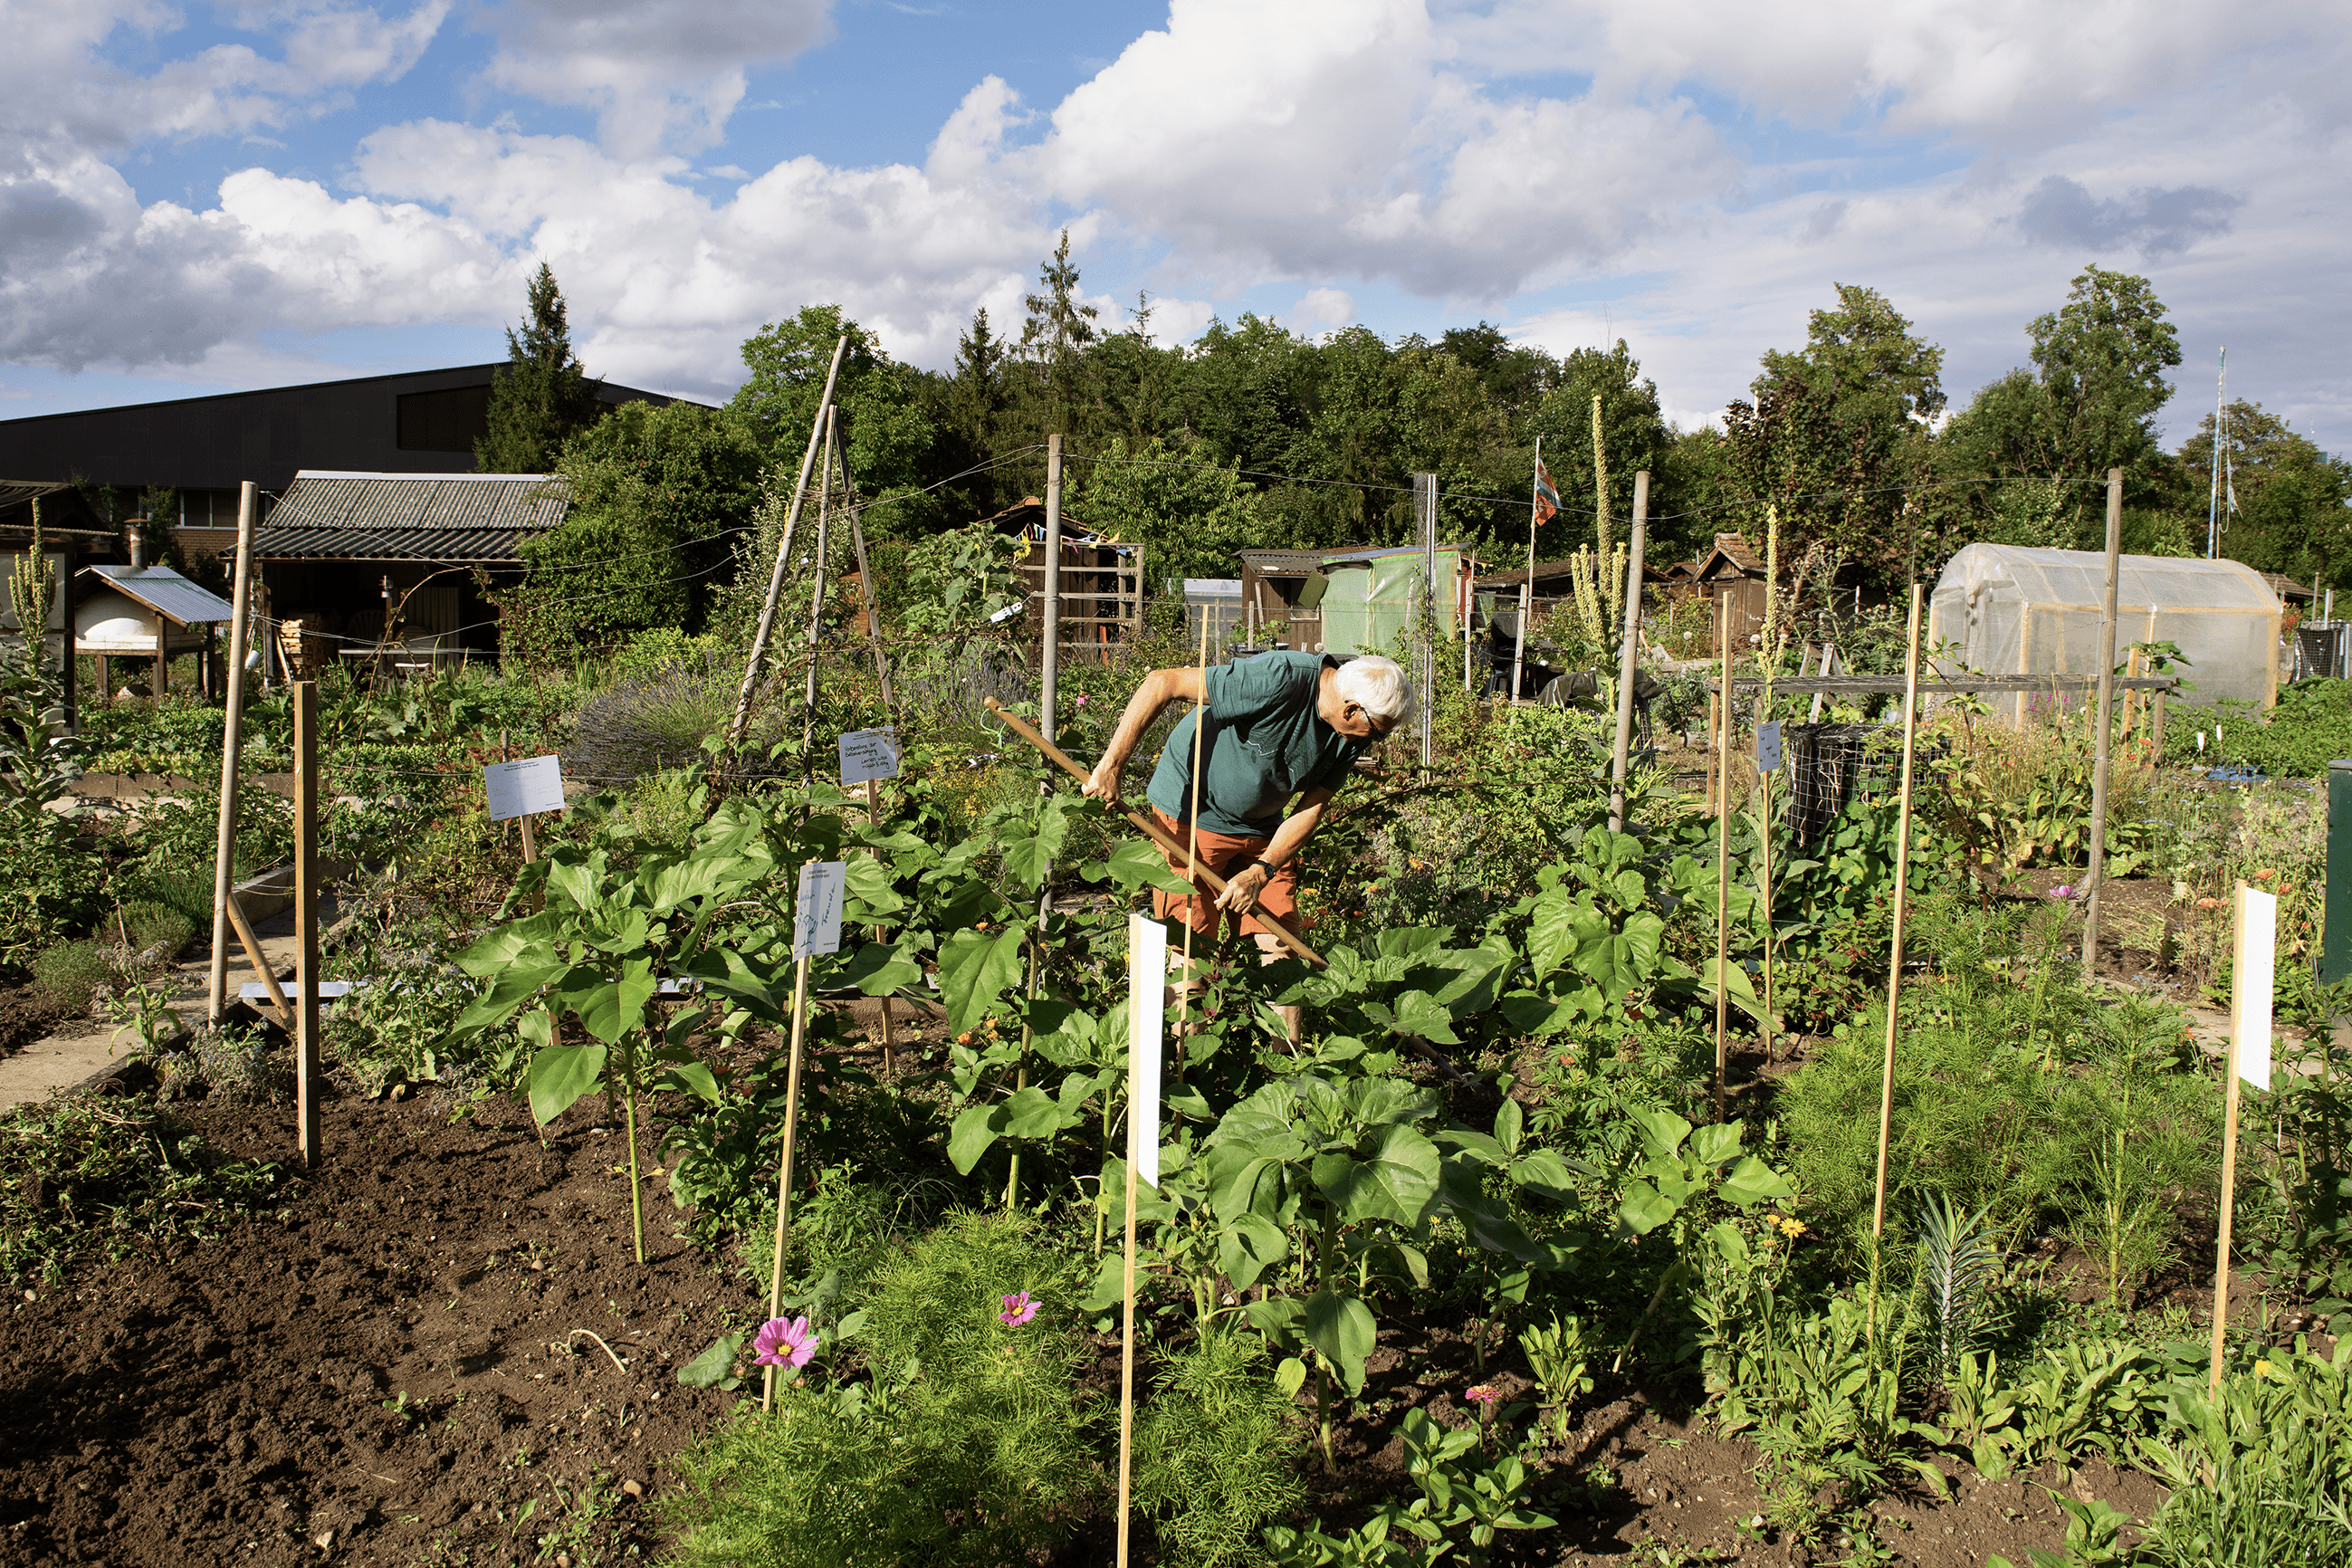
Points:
868	754
816	912
524	788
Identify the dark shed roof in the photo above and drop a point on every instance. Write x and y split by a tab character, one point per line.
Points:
449	517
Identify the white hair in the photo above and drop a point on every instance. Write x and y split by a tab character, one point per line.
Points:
1377	686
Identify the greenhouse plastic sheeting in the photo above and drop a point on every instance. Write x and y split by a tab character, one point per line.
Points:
1371	595
2004	609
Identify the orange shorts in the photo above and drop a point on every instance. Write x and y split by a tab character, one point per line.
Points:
1227	856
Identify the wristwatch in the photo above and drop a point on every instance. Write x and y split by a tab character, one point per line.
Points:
1264	867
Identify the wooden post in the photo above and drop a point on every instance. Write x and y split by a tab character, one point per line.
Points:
2254	952
1425	500
784	1163
1049	656
1629	658
1723	872
2100	728
783	556
1902	889
305	915
232	741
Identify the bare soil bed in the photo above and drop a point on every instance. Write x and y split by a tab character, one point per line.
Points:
400	1370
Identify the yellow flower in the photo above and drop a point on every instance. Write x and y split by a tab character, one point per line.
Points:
2262	1369
1792	1228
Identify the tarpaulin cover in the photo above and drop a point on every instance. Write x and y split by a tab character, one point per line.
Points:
1373	593
2004	609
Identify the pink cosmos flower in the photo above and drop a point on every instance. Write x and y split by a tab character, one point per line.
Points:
1019	1308
783	1343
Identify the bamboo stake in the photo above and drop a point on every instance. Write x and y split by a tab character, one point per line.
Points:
1902	888
785	1166
1769	648
816	593
1629	659
1527	589
252	945
232	741
1192	834
783	556
306	917
1723	867
2252	976
1150	829
874	815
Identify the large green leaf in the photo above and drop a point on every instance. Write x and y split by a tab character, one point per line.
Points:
1341	1327
1395	1178
509	989
559	1075
975	968
873	891
1752	1181
1423	1017
1028	847
877	969
1644	1208
529	943
974	1130
1249	1245
1139	863
611	1009
1551	932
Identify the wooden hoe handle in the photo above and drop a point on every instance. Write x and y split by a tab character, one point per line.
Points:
1152	831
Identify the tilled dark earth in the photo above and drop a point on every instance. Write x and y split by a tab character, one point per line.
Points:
408	1368
417	1364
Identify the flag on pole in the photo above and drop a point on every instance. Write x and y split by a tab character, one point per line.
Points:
1547	495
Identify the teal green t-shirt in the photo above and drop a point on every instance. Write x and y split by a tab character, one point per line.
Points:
1265	744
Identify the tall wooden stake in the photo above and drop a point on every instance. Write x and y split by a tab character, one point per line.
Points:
874	815
871	594
1425	501
2252	975
1769	648
785	1166
816	593
1902	890
2099	719
1629	658
1192	831
306	917
784	554
1147	970
1723	871
232	741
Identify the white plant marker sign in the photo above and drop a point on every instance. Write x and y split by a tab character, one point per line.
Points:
2253	962
525	788
816	912
1767	748
868	754
1147	1019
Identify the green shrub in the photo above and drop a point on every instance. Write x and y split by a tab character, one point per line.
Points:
1216	1453
66	976
398	1031
149	924
2311	726
973	1445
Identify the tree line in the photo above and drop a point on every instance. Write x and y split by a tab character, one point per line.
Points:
1254	436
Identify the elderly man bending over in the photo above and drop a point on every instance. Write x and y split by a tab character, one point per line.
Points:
1282	726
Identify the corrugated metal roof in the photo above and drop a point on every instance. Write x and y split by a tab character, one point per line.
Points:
1281	563
166	593
410	517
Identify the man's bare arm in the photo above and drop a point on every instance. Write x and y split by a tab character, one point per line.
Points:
1241	892
1157	690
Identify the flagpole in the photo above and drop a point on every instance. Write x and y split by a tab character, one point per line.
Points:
1527	593
2213	499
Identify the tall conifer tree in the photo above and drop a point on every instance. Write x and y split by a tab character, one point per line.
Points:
542	396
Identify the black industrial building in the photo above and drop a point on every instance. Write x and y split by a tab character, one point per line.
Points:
203	449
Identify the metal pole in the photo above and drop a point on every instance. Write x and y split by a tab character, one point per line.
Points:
232	739
783	556
305	916
1902	888
1629	661
1527	592
1049	658
1424	498
2099	722
2213	497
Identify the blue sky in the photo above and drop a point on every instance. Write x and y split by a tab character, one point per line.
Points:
218	196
